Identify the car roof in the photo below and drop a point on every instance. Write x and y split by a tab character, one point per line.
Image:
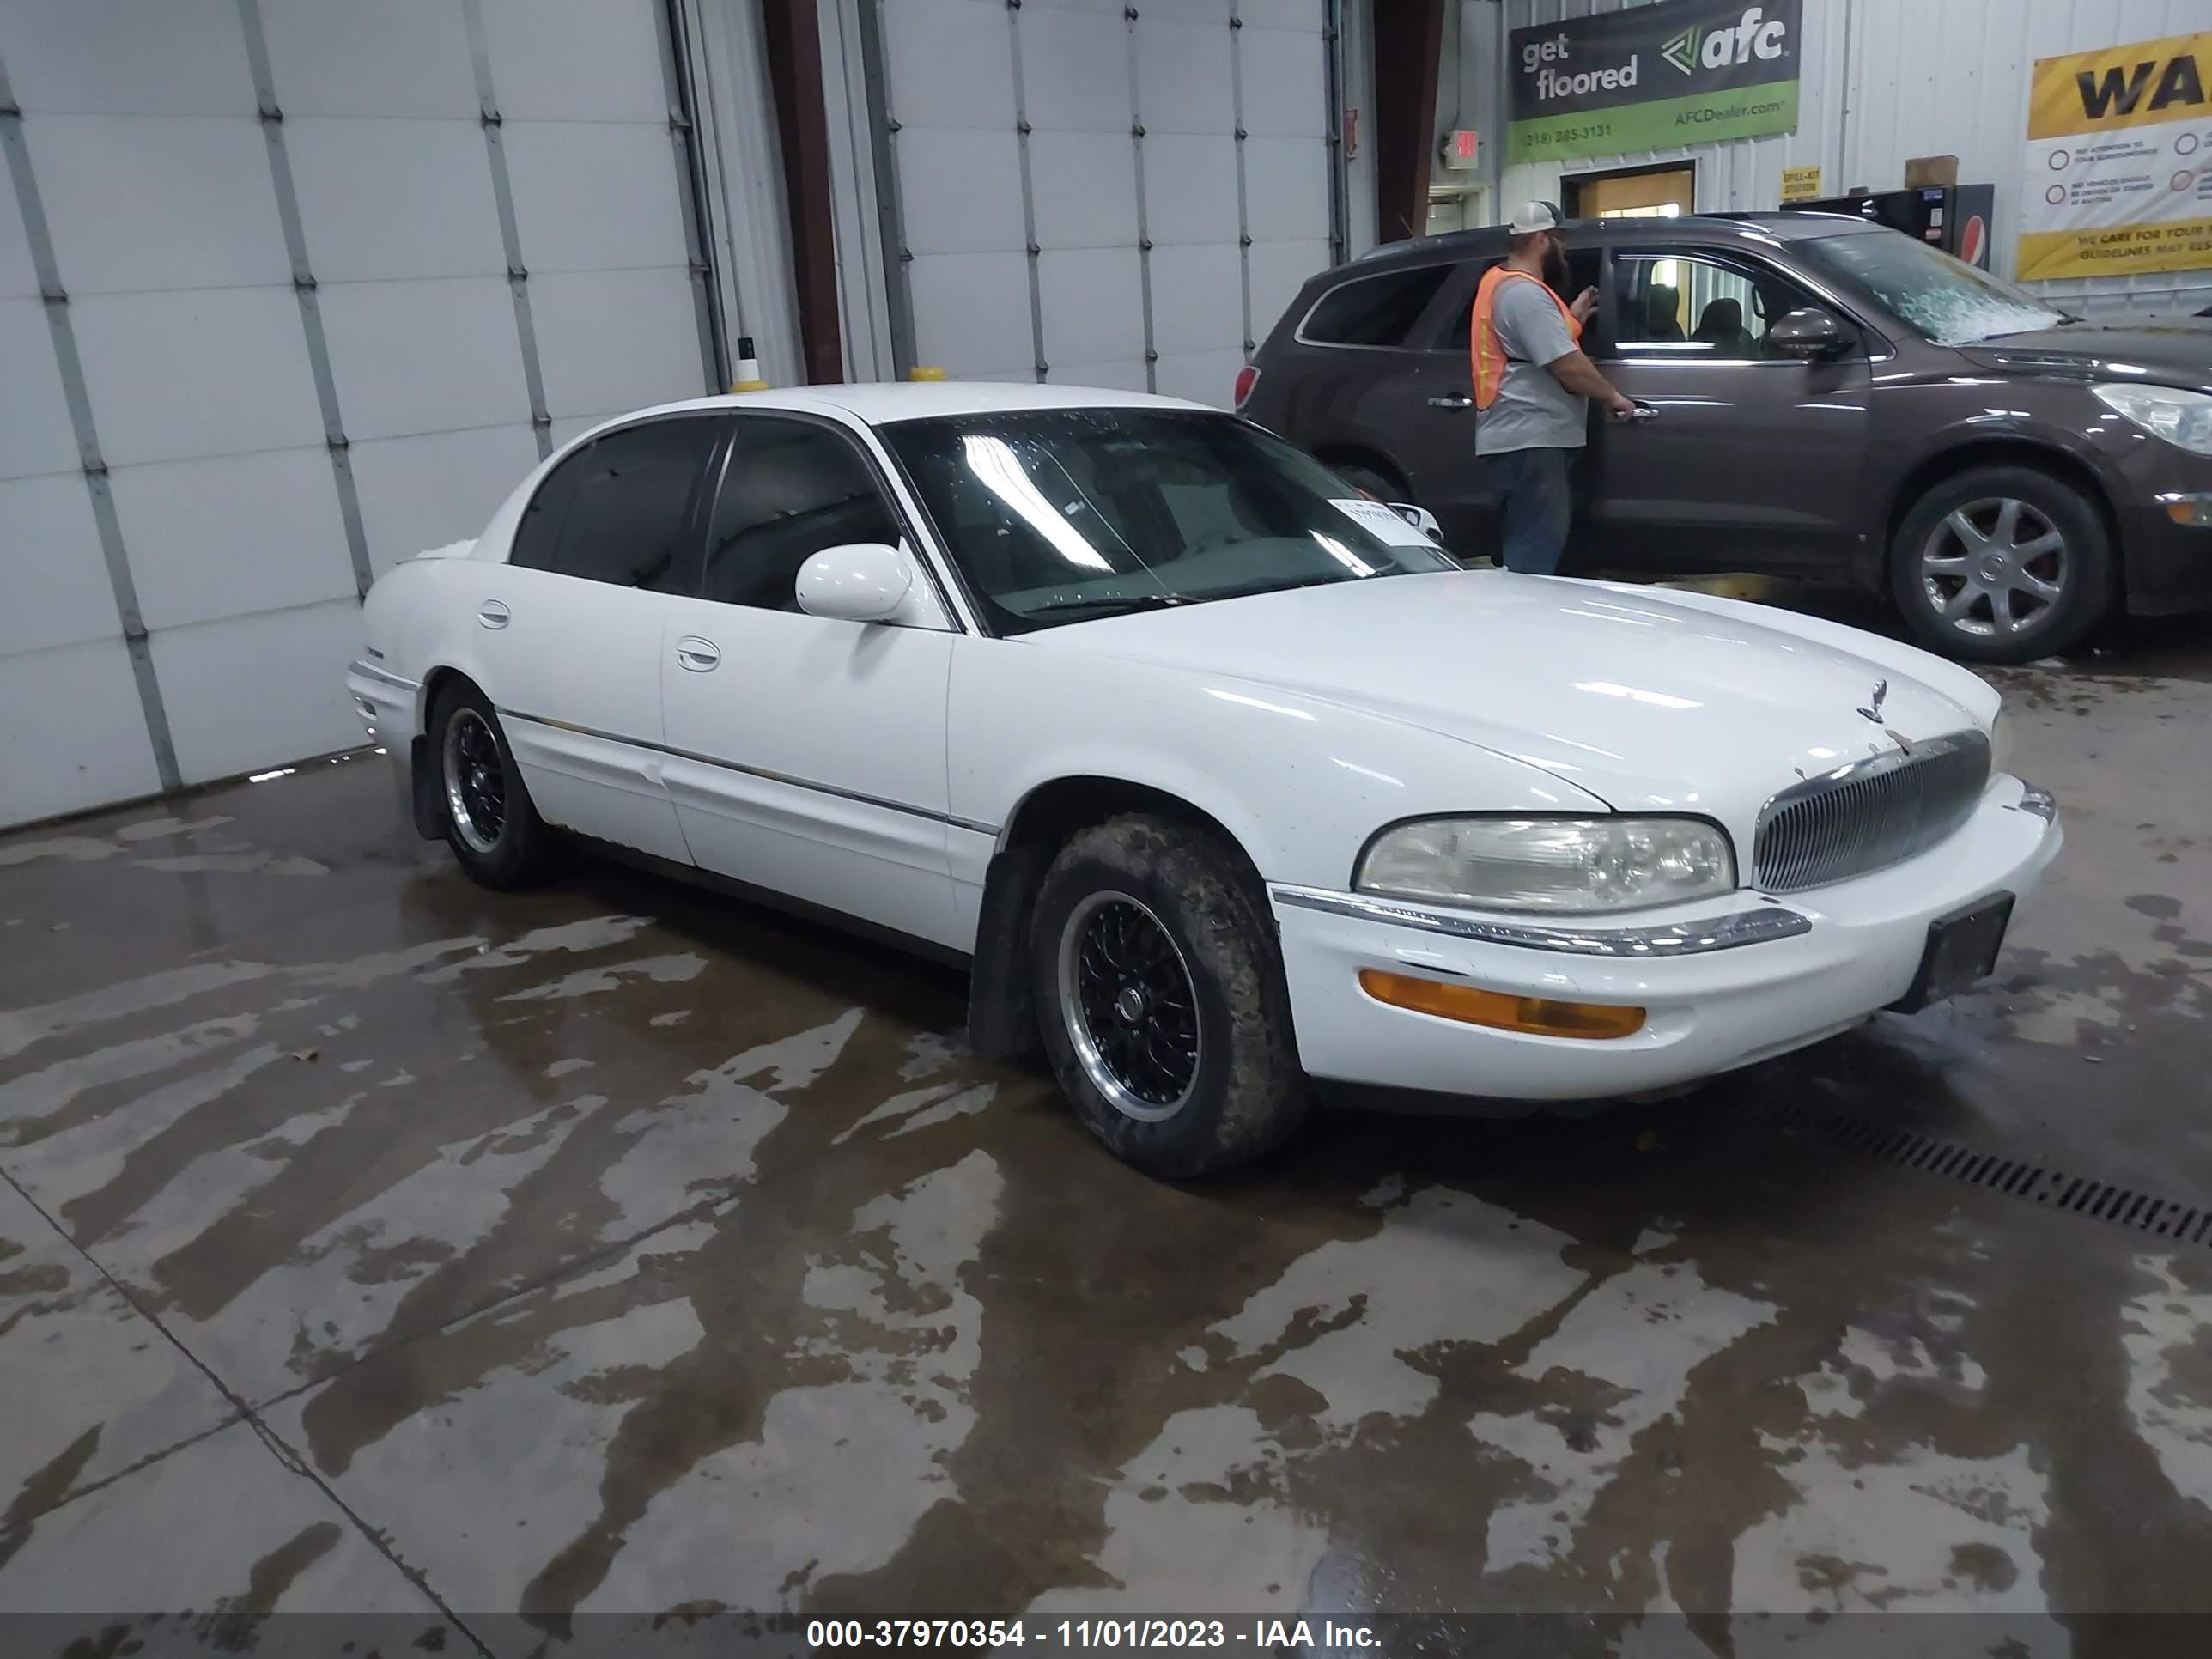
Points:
1719	230
884	402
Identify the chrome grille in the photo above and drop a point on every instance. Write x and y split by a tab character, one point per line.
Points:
1879	812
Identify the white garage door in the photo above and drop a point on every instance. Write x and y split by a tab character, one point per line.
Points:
1090	193
320	314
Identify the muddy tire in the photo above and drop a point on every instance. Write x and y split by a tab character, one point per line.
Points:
490	821
1161	999
2002	564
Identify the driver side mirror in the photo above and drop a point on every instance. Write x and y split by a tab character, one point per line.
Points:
1808	333
864	581
1421	519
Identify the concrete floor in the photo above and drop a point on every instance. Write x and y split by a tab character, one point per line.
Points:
371	1243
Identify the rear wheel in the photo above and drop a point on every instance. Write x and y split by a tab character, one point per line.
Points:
1161	998
2002	564
491	822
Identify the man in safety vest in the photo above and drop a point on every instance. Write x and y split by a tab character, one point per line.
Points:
1532	384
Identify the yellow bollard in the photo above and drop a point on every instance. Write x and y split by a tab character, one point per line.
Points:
926	372
749	375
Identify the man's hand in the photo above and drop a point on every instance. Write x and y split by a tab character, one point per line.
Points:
1620	408
1585	303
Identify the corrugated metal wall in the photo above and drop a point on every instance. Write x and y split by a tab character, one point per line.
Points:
1887	80
266	329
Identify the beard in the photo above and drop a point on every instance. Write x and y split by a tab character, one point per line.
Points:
1556	275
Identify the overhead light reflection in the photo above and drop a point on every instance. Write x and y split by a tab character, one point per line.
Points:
1633	694
1256	703
993	461
1344	556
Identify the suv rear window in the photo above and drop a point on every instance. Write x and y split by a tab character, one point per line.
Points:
1374	311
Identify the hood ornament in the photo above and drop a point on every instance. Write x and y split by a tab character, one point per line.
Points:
1872	710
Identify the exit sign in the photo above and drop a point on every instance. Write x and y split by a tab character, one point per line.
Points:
1463	147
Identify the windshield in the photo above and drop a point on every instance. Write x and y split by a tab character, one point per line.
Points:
1947	300
1067	515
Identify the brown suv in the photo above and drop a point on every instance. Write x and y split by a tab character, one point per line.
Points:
1822	397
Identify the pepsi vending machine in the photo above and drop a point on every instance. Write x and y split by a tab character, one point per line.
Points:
1954	217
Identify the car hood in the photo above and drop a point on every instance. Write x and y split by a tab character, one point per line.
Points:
1643	702
2178	353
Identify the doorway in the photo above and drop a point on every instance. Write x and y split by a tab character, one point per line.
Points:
1667	191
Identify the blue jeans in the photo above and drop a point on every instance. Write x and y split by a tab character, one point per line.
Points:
1531	485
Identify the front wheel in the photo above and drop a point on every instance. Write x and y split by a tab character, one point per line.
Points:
1160	993
491	823
2001	564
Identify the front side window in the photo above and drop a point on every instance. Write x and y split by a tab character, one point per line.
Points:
1681	305
790	489
1943	299
1067	515
615	511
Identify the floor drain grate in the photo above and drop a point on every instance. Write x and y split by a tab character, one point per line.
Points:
2035	1184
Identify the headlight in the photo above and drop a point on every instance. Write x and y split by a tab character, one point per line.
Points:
1559	865
2000	744
2180	417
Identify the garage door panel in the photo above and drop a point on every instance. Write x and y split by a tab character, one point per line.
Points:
1215	12
396	57
1182	78
1121	374
35	435
1308	15
1285	81
233	372
971	313
971	201
53	579
426	491
576	60
425	357
196	557
1093	305
1075	71
1084	187
589	196
950	62
127	58
1286	189
249	690
100	753
152	202
19	277
380	199
1190	188
1278	271
1204	377
1110	6
616	340
1198	297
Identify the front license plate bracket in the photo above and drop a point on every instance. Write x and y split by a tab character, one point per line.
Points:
1961	951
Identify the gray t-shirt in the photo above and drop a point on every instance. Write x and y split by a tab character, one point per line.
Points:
1533	411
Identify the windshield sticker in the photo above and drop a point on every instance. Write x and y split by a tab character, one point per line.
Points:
1381	523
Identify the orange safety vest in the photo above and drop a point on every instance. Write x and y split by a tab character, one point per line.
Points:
1489	359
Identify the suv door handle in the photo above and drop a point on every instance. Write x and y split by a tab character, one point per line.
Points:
1642	412
1451	402
492	613
700	656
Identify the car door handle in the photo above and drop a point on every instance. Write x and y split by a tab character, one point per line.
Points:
494	614
1643	412
1451	402
700	656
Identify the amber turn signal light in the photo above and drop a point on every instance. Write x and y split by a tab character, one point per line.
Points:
1471	1005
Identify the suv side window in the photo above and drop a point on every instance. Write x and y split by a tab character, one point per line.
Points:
615	511
1374	311
1583	266
790	489
1700	306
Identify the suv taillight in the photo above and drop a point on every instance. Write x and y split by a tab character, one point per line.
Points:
1246	378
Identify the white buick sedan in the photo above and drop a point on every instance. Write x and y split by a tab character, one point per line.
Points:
1223	778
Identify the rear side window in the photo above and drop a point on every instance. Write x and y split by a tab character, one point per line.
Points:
790	489
615	511
1374	311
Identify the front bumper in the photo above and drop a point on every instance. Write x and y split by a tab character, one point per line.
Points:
1712	1006
2167	557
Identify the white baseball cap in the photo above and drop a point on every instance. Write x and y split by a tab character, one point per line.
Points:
1534	216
